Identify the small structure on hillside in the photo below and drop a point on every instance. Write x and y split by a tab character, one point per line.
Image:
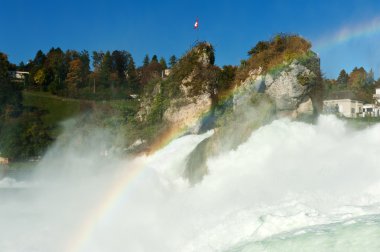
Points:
343	107
18	76
167	71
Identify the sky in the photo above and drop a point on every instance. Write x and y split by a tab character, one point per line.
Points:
345	34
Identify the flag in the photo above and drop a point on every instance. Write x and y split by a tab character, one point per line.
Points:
196	24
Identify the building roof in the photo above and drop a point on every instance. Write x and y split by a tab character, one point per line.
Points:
343	94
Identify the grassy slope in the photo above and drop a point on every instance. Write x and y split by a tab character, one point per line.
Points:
57	108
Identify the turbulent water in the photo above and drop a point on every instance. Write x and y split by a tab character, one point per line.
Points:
290	187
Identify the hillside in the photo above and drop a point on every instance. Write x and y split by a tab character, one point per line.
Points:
55	109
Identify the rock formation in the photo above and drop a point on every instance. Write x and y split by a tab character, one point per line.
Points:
291	88
187	92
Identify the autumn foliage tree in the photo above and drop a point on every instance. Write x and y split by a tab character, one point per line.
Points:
74	77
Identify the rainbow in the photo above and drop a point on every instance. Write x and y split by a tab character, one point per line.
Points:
349	33
86	228
118	189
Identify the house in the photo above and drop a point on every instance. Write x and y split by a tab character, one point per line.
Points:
376	96
167	71
18	76
344	107
371	110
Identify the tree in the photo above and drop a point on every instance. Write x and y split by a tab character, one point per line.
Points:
132	76
84	57
10	95
39	78
370	78
25	136
74	77
39	59
172	60
226	78
97	58
163	63
55	69
342	78
36	64
357	78
120	63
106	69
146	60
154	59
21	66
260	46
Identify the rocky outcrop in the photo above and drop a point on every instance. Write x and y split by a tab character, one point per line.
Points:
293	90
186	94
187	112
281	79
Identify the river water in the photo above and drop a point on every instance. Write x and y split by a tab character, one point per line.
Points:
290	187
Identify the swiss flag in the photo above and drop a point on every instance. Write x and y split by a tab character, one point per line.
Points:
196	24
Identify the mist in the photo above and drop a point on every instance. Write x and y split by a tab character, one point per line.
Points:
287	176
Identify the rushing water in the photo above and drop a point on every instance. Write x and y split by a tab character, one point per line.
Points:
290	187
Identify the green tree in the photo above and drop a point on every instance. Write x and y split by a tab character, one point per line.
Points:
97	58
106	70
24	137
120	62
172	60
146	60
154	59
342	78
370	78
39	59
35	65
163	63
260	46
10	95
55	70
133	82
84	57
226	78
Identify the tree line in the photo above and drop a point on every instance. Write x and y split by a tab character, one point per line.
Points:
112	75
360	83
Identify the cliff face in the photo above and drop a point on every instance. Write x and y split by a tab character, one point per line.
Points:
187	112
187	92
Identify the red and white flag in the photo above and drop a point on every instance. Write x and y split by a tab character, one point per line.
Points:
196	24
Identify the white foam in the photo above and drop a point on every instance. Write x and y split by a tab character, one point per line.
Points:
288	177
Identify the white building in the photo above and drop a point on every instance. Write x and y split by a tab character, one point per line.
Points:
18	75
371	110
376	96
343	107
167	71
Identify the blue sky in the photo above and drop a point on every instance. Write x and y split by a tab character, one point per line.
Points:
166	27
